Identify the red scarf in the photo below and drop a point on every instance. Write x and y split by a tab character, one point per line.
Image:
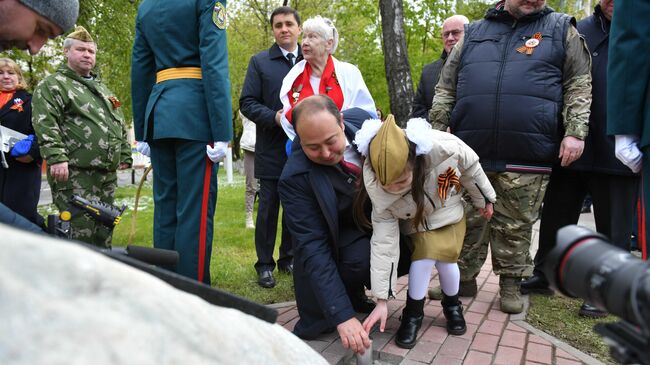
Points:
5	97
329	85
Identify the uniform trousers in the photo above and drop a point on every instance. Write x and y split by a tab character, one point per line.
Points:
508	233
266	228
185	195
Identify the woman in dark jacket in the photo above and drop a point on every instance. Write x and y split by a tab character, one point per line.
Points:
20	178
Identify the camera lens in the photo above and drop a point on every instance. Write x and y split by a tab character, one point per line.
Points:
584	265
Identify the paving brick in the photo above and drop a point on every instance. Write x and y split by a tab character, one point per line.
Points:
290	325
318	346
403	280
484	342
484	296
287	316
454	347
332	358
539	353
446	360
397	352
508	356
563	361
423	351
401	295
432	311
471	331
492	279
434	334
497	316
514	327
440	321
412	362
492	288
491	327
513	339
561	353
474	318
477	358
479	307
537	339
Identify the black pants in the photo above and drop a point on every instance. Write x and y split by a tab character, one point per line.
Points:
266	228
614	202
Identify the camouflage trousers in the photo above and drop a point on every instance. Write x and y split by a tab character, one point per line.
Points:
519	199
90	184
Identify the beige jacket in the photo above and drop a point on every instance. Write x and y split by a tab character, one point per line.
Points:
392	213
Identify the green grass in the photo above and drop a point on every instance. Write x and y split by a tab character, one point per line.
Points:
233	247
558	315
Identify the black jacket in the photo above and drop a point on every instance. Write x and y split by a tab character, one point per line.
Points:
598	155
427	87
20	184
259	101
311	206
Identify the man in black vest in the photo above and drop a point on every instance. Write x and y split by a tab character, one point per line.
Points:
453	29
517	89
260	102
332	254
612	185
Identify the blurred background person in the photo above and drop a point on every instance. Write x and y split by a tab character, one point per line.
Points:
321	73
20	180
247	143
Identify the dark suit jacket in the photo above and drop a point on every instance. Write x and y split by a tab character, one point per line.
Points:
181	33
427	88
259	101
20	184
310	204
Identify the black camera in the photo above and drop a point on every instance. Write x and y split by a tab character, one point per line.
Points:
583	264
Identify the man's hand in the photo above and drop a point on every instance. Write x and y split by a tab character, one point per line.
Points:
380	313
278	118
353	336
123	166
570	150
487	211
59	171
218	152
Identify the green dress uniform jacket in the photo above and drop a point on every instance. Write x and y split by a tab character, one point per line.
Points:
179	116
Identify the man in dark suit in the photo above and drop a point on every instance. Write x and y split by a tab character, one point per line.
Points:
260	102
181	103
453	29
331	254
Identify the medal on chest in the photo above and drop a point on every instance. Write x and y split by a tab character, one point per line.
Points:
530	44
18	105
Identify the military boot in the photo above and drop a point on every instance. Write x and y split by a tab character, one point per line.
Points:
412	316
511	301
452	308
467	289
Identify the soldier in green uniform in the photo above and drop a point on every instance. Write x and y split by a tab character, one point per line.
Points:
181	104
82	134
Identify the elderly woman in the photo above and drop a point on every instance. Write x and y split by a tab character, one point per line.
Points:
320	73
20	173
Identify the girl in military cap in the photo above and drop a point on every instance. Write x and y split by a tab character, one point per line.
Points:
415	179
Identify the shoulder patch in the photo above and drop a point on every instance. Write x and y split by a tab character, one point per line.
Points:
219	15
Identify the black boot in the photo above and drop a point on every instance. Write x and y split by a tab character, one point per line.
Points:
453	311
412	316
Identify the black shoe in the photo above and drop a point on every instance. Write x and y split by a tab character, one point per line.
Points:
412	316
452	308
536	284
265	279
361	303
288	269
588	310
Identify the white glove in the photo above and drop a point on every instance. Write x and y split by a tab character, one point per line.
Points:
627	151
218	152
143	148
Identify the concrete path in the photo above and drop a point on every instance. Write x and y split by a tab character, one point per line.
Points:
492	337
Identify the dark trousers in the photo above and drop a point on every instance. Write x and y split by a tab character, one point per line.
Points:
185	195
354	269
614	202
266	228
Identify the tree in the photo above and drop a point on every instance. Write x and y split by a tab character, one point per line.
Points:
398	70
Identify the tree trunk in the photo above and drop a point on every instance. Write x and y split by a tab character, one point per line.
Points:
396	61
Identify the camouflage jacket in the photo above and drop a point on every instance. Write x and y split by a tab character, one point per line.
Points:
79	121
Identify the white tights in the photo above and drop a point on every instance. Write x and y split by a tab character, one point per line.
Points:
420	274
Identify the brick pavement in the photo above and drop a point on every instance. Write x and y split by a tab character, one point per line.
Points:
492	337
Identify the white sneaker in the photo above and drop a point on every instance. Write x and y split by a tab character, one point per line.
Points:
249	222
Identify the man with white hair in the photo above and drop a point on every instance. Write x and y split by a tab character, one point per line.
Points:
82	134
28	24
453	29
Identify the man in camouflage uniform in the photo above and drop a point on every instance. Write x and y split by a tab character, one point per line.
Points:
517	89
82	135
